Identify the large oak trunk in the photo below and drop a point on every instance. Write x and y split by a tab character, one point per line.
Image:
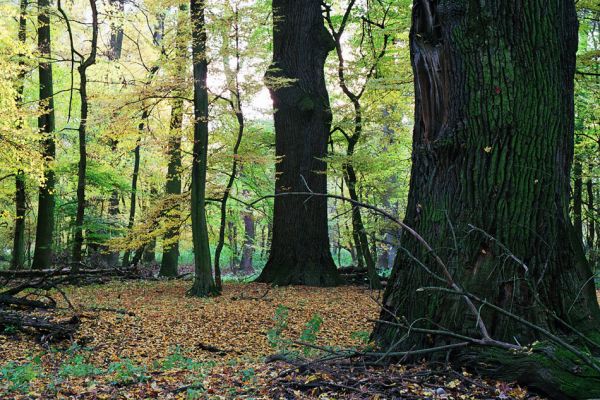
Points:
300	251
489	190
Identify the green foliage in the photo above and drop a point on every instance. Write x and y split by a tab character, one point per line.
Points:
309	334
178	360
275	335
77	367
125	371
18	376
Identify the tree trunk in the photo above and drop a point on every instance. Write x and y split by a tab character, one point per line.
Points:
170	259
42	256
578	199
134	184
248	246
111	258
300	251
83	122
204	284
358	228
589	185
116	32
492	151
18	253
235	103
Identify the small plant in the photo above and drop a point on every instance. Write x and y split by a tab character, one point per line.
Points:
19	376
126	371
248	375
363	337
178	360
275	334
309	334
77	367
10	329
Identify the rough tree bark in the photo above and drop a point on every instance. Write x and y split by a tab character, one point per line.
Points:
204	284
492	152
300	251
170	259
42	255
18	253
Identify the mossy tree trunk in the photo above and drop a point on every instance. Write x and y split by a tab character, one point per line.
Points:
489	189
204	284
42	255
300	252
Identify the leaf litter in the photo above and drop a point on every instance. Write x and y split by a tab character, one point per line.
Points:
146	339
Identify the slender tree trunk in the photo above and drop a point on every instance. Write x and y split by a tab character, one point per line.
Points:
204	284
300	251
578	199
134	185
42	256
170	259
492	152
358	229
589	185
83	122
18	253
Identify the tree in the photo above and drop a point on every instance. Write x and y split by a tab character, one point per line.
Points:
354	136
42	256
204	284
18	253
82	131
489	191
169	263
300	252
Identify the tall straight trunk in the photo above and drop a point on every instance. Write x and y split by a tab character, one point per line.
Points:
248	246
111	258
134	185
300	251
578	199
170	259
204	284
492	152
42	256
83	123
591	222
18	253
116	32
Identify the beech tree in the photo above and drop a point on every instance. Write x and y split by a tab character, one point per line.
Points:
204	284
489	192
170	259
300	252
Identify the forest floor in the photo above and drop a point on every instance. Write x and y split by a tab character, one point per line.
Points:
146	339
